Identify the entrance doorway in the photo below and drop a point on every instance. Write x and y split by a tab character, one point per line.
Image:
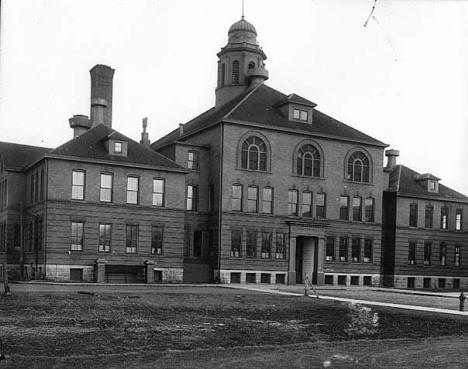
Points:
306	258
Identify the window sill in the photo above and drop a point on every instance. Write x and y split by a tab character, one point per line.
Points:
254	170
358	183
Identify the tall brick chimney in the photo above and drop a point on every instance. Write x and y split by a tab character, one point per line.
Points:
101	95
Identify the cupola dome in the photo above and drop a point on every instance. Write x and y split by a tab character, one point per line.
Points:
242	25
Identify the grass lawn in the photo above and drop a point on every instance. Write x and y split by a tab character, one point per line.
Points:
185	327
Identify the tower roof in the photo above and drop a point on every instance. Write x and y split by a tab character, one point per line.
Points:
242	25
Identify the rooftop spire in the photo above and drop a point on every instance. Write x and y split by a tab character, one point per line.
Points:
242	9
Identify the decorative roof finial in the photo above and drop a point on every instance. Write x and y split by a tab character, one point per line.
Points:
242	9
145	124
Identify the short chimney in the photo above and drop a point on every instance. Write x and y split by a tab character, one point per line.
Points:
144	135
80	124
181	129
101	95
391	158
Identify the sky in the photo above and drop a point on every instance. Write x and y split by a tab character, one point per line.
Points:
402	79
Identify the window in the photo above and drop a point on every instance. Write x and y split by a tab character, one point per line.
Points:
412	253
159	186
252	199
427	252
307	204
236	198
265	278
78	183
443	254
358	168
344	207
410	282
308	161
432	186
223	74
251	244
266	245
157	235
192	197
251	65
236	243
428	216
292	202
368	251
197	243
132	190
281	245
413	215
356	250
235	277
427	282
76	236
343	249
357	208
369	209
118	147
192	160
458	219
254	154
302	115
320	206
456	283
441	282
457	259
250	278
104	237
267	200
330	249
235	72
106	188
444	217
131	238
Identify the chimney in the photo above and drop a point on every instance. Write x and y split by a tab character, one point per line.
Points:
101	95
391	158
80	124
144	135
181	129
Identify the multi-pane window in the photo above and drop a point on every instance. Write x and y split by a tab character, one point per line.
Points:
280	245
267	200
252	199
251	250
330	249
192	160
356	250
159	185
307	204
266	245
192	198
76	236
443	254
368	250
457	259
428	216
236	243
320	206
78	184
254	154
343	250
157	235
132	190
235	72
458	219
413	215
308	161
236	204
357	208
412	253
358	168
299	114
292	202
369	209
427	252
105	193
344	207
131	241
104	237
444	217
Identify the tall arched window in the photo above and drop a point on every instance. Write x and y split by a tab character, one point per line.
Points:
235	72
308	161
254	154
222	74
358	167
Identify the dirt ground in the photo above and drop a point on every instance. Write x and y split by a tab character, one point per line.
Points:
208	327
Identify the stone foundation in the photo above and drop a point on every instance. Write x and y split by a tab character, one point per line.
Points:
401	281
352	280
226	275
170	275
62	272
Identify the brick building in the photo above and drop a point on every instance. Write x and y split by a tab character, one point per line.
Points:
261	188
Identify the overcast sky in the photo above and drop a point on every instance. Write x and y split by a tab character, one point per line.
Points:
403	79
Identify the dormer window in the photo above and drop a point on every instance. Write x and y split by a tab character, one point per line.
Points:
301	115
433	186
118	147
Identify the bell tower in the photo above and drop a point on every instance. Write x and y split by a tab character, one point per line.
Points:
241	63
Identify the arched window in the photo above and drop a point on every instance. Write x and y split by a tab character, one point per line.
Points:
235	72
358	167
308	161
223	73
251	65
254	154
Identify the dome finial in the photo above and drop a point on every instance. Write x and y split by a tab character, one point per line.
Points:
242	9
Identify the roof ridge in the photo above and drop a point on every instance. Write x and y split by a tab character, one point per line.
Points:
241	102
399	177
